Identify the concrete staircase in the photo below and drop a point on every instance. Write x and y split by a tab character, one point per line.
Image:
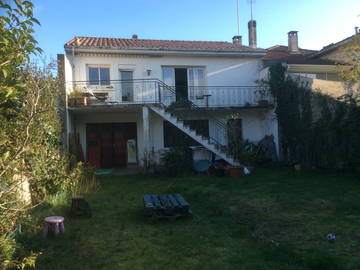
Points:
206	142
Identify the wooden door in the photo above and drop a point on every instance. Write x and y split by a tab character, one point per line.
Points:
106	139
106	144
93	149
119	147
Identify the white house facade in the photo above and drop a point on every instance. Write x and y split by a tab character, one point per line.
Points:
130	97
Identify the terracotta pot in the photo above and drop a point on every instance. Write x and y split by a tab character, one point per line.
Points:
263	102
236	172
81	101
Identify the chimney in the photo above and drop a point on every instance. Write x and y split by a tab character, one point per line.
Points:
357	30
293	45
252	33
237	40
134	36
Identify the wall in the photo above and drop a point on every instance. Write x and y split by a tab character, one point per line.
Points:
223	71
256	124
332	88
220	71
108	117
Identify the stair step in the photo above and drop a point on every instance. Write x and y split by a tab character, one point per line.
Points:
205	141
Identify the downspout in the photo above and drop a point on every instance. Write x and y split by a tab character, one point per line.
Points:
67	122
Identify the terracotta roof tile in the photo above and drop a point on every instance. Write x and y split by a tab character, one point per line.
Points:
154	44
281	53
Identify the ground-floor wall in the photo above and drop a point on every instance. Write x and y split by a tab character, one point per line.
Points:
255	125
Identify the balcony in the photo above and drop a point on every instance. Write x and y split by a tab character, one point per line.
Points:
153	91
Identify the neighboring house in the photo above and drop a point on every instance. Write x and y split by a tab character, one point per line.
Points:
319	69
130	84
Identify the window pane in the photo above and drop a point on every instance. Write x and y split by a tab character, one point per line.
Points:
104	76
201	76
168	76
127	86
93	76
126	75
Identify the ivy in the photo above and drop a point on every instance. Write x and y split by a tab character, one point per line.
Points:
315	129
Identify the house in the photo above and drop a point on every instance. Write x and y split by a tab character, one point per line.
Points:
141	96
318	69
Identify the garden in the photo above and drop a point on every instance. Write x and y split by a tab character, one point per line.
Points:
275	218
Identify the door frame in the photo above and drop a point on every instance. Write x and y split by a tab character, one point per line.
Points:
187	67
98	126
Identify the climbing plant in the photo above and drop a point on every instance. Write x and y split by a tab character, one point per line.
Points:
315	129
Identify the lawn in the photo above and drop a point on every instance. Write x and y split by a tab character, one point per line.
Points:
273	219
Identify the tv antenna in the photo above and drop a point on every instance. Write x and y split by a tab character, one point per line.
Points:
237	17
251	2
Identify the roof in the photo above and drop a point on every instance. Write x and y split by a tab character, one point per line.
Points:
281	53
333	46
158	45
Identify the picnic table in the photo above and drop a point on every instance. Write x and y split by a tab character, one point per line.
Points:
166	206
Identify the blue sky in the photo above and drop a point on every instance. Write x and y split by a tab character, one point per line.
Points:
319	22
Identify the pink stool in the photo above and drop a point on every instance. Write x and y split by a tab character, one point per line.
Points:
55	223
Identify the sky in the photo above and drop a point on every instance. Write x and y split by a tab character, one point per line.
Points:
319	22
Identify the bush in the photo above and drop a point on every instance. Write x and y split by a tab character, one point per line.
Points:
178	160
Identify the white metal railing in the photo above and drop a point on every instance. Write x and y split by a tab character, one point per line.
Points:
155	91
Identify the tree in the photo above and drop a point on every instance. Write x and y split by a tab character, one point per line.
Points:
30	129
350	70
17	43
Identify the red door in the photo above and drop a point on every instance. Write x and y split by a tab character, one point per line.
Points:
106	144
119	148
106	147
93	150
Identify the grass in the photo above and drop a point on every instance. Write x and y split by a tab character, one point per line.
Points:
273	219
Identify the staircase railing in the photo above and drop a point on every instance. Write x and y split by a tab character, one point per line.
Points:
167	98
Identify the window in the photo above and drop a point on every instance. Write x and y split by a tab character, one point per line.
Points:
175	137
168	76
99	76
127	86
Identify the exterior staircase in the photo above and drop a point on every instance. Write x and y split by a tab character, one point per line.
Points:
204	141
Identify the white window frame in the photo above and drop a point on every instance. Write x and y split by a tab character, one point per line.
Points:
88	75
173	67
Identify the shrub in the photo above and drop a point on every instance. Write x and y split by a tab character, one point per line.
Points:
178	160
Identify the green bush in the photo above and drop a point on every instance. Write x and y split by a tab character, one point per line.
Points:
177	161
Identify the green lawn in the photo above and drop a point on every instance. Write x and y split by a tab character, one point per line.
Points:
273	219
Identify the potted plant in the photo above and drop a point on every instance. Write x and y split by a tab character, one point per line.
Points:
242	151
236	171
263	93
78	98
149	163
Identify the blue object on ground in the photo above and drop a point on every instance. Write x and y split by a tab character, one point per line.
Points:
202	165
103	172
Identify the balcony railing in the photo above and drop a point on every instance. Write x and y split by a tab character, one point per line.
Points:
153	91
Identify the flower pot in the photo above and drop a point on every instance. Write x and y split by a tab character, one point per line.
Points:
236	172
263	102
80	101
